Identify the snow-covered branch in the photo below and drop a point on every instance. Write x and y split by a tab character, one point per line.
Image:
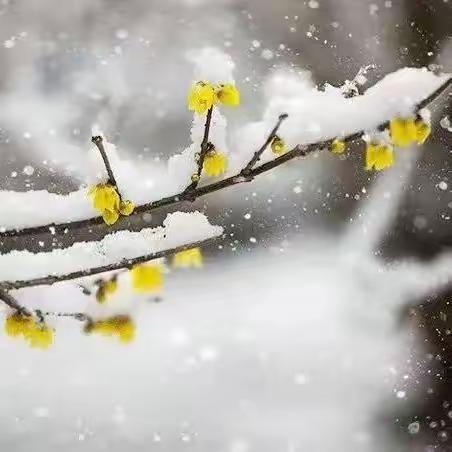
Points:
55	229
391	114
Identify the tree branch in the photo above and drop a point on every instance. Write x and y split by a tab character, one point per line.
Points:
55	230
123	264
13	303
10	301
98	141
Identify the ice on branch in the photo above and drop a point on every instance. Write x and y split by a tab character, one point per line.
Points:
178	229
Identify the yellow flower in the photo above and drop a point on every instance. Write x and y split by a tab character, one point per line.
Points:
106	199
121	326
18	324
147	278
40	336
188	258
215	163
126	208
403	131
201	97
338	146
228	94
379	156
105	289
278	146
423	131
110	216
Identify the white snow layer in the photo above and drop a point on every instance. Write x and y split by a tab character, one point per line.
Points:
313	116
178	229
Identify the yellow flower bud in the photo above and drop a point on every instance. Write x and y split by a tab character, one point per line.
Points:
126	208
215	163
40	336
121	326
106	199
147	278
423	131
228	94
110	216
338	146
18	324
403	131
188	258
278	146
379	156
104	196
105	289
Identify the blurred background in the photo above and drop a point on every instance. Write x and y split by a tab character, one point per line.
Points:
125	66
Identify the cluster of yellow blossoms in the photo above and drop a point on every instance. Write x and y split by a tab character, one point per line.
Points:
145	278
148	278
402	133
204	95
36	334
405	131
107	201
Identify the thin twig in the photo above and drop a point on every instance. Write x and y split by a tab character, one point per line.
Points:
55	230
257	155
123	264
73	315
205	148
98	141
9	300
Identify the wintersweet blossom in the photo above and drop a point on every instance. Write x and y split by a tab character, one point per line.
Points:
204	95
278	146
423	131
126	208
188	258
338	146
147	278
379	156
121	326
228	94
107	201
36	334
18	324
105	289
40	336
403	131
201	97
215	163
